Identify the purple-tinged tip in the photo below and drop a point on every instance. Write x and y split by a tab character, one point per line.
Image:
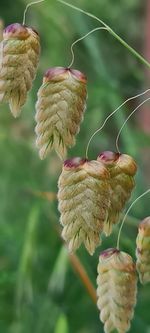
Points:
145	223
78	75
108	157
61	73
53	73
74	162
108	253
144	226
33	30
15	30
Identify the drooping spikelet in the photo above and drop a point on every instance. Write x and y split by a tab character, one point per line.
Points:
143	251
84	198
122	169
59	110
19	57
116	290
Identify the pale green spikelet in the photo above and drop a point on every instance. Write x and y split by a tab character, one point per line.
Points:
59	110
19	57
143	251
122	170
116	290
84	198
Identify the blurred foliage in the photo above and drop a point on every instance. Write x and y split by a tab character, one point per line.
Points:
39	290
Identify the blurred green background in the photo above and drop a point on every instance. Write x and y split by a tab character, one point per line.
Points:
40	290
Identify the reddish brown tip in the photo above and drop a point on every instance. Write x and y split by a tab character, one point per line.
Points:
145	222
145	226
78	75
61	73
53	73
32	30
108	157
15	30
108	253
74	162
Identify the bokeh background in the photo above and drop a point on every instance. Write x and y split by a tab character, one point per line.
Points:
41	287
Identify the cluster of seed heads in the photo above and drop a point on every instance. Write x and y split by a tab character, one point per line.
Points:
91	194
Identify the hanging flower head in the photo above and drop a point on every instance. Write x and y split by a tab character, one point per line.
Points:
84	198
19	57
59	110
116	290
143	251
122	170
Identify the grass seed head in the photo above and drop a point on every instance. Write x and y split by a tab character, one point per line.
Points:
83	195
122	169
143	251
19	57
59	110
116	290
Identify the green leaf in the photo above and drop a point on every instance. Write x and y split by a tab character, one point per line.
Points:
57	279
62	325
